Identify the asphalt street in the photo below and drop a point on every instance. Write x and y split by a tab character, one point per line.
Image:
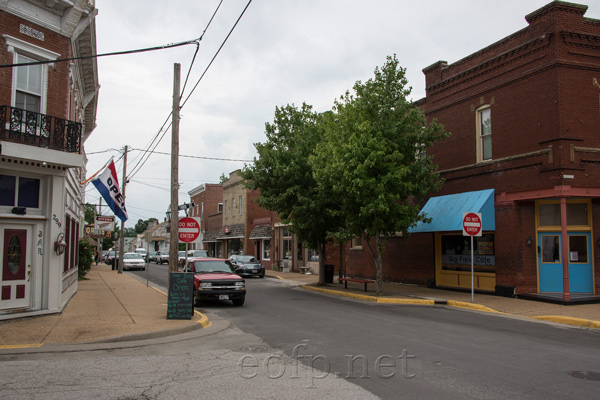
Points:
286	342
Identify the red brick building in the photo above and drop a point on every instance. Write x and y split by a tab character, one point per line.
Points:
208	200
524	151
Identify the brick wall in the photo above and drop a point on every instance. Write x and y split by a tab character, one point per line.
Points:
58	75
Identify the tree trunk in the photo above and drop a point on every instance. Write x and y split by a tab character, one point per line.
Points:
321	264
378	263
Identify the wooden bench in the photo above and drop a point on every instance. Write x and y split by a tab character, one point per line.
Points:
346	280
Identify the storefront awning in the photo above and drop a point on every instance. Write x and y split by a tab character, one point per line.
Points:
446	212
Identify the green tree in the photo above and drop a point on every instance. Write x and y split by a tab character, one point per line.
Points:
141	226
373	159
284	177
223	178
130	232
90	213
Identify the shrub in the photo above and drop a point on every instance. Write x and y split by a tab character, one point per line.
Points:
86	256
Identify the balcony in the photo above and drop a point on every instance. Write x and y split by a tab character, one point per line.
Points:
40	130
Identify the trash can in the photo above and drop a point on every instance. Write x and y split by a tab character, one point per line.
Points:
329	269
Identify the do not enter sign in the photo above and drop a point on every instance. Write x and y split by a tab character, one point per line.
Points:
189	229
471	224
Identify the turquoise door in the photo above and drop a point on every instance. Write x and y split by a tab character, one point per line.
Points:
581	276
579	259
550	262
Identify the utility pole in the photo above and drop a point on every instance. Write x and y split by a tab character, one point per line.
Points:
122	238
174	238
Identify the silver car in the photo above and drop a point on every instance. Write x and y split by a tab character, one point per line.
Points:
134	261
247	265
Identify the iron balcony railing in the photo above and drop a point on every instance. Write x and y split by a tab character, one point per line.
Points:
35	129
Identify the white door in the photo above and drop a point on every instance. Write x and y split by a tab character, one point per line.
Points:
15	250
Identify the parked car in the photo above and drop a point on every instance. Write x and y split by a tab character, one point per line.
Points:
197	253
134	261
180	259
152	256
141	251
215	279
110	256
162	257
247	265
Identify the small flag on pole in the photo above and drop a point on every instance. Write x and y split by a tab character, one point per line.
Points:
108	186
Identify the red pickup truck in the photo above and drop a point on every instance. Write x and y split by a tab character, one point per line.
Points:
215	279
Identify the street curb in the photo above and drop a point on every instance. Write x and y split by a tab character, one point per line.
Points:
584	323
372	299
472	306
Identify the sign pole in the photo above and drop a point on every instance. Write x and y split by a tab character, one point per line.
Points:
472	272
472	226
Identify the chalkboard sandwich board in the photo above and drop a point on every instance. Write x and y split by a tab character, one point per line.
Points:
181	295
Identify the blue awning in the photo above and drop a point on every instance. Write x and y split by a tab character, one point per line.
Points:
447	211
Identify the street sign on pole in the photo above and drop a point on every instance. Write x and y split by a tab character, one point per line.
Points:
189	229
472	227
471	224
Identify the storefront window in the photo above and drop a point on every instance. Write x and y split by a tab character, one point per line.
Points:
456	253
287	243
313	255
266	249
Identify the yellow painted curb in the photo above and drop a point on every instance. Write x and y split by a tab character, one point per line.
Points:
21	346
204	321
428	302
586	323
373	299
343	294
472	306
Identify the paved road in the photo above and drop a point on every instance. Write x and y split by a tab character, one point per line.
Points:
422	352
410	352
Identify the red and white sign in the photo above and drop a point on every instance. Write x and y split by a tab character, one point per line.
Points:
189	229
471	224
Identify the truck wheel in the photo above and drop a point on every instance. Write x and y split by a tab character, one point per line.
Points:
239	302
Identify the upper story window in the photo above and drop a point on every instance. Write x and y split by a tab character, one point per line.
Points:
225	208
29	81
28	89
220	207
240	204
484	134
233	206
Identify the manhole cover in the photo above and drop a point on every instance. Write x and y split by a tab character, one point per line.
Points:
587	375
256	349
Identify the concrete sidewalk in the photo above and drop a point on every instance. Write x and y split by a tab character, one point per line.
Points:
108	306
112	307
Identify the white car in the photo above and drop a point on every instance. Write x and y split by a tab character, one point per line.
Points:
134	261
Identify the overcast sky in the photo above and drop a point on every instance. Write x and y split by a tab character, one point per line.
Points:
281	52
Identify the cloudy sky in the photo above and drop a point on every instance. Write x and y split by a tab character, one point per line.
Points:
281	52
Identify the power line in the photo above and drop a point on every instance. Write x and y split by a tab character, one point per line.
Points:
216	54
156	140
116	53
198	157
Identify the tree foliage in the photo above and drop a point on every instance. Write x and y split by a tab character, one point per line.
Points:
373	159
284	176
90	213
